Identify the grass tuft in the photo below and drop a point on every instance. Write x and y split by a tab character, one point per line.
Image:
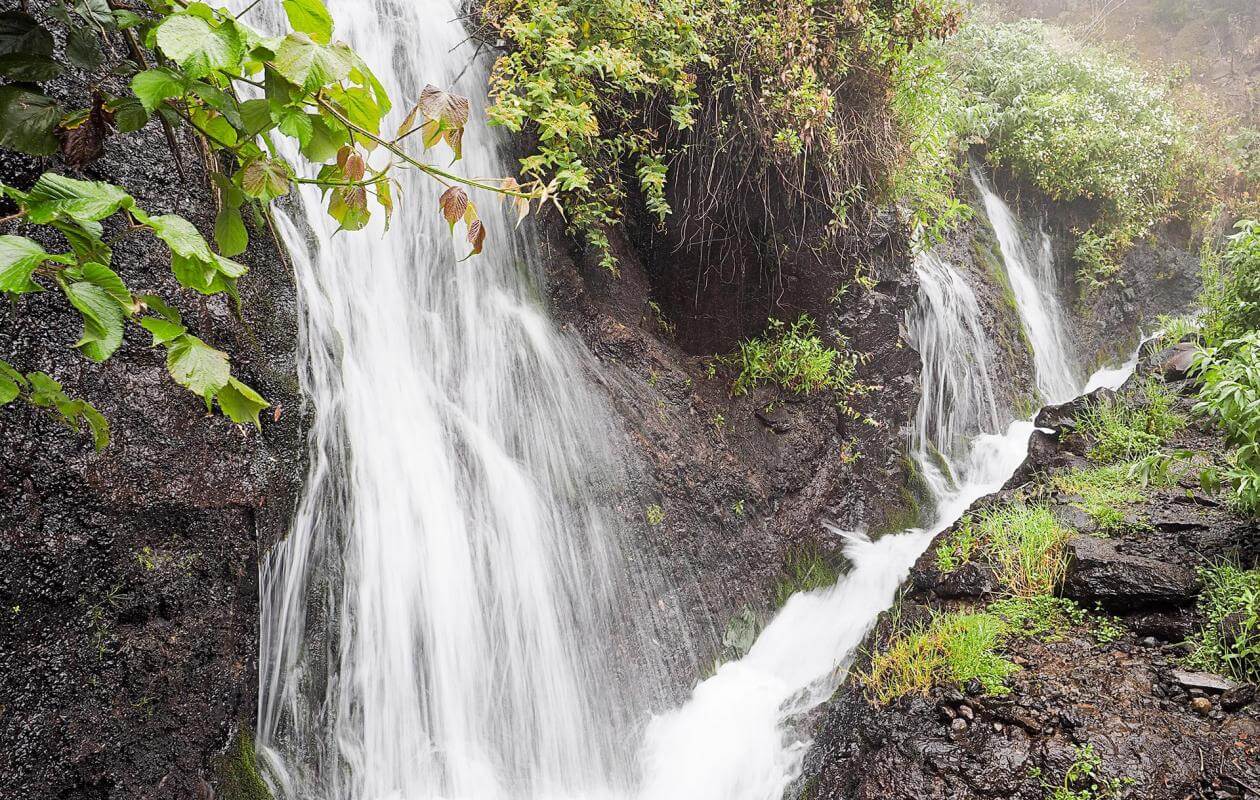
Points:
791	357
1128	428
1229	642
1024	544
953	649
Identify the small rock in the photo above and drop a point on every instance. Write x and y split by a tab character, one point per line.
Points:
970	580
948	713
1202	681
998	727
958	725
966	713
1238	697
1201	705
1149	641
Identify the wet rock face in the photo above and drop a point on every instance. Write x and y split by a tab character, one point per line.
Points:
128	579
743	481
1098	573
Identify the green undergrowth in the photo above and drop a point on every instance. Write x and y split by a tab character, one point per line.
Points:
1131	426
1229	641
952	649
1083	779
1106	492
1023	543
793	357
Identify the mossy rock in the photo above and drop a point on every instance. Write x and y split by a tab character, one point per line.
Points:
236	772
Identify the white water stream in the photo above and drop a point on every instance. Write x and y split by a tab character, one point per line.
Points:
438	624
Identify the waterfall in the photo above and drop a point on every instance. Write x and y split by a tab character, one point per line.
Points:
451	616
1035	280
741	736
439	622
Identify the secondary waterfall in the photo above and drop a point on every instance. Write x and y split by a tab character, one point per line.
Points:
1035	281
440	621
451	617
737	738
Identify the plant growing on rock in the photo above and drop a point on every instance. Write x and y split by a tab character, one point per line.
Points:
241	93
1229	641
792	357
952	649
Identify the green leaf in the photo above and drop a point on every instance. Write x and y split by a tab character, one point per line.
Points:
20	33
327	137
255	116
83	48
82	201
85	240
9	390
197	366
229	231
9	375
19	258
163	330
102	319
97	424
358	106
155	85
310	17
28	67
129	114
180	235
348	206
309	65
45	392
27	121
241	403
197	46
294	122
108	280
264	179
159	306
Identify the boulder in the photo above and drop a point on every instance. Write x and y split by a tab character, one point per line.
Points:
970	580
1177	360
1207	681
1098	573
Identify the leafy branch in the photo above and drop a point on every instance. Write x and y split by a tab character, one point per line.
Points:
192	65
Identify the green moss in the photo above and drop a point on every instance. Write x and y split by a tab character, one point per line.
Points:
237	772
804	571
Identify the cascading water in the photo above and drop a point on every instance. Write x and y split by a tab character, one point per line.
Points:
438	622
736	739
1035	280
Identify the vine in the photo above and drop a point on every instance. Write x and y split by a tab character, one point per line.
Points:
192	65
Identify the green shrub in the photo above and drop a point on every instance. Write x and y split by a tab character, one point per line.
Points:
1126	428
1024	545
1230	639
1230	395
612	87
1080	124
1082	780
952	649
791	357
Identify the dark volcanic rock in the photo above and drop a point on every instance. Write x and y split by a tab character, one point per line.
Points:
128	579
1098	573
1175	363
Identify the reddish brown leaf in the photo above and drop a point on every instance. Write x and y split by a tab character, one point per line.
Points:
450	108
355	167
476	236
453	202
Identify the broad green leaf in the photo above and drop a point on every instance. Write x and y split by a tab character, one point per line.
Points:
28	67
155	85
83	48
327	137
9	390
229	231
194	273
197	46
45	392
21	33
358	106
264	179
83	201
108	280
163	330
362	74
255	116
197	366
129	114
85	240
181	236
19	258
241	403
219	100
97	12
27	121
215	126
310	65
294	122
310	17
102	319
